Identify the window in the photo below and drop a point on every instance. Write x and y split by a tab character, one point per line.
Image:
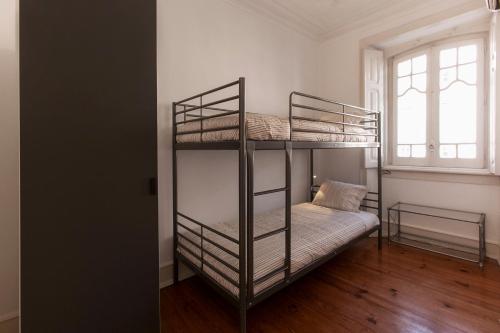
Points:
439	105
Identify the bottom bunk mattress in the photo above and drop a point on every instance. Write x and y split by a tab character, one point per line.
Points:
316	232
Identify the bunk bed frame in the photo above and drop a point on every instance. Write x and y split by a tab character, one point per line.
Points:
189	112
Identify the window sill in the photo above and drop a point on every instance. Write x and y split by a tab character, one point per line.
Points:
455	171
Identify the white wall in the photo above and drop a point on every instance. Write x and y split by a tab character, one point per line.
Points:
203	44
341	79
9	160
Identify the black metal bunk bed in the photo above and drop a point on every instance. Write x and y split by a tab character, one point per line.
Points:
185	112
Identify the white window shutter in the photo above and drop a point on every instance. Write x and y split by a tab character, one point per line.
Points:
494	95
373	64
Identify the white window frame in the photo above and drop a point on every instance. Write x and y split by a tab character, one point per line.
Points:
408	161
432	159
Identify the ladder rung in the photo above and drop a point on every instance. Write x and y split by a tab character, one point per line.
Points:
271	233
270	274
271	191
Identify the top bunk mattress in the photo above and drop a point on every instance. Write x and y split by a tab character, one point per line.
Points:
316	231
324	129
263	127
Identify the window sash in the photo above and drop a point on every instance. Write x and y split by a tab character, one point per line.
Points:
481	128
433	158
409	160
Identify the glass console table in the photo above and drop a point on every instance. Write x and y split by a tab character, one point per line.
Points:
474	254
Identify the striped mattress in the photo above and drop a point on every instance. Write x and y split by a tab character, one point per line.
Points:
314	131
269	127
259	127
316	232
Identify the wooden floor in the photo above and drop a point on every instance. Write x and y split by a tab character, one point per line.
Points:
397	290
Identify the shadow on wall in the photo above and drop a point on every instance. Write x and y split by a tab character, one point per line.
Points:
9	188
9	69
165	182
346	165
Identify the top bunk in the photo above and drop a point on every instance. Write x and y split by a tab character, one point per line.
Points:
217	119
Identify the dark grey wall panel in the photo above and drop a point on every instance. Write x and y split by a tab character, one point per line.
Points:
89	231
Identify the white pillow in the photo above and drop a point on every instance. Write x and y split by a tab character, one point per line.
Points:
340	196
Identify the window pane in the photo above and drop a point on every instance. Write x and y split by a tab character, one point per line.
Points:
404	68
412	114
419	64
457	114
468	73
404	84
447	76
448	57
447	151
419	81
418	151
467	54
467	151
454	106
404	150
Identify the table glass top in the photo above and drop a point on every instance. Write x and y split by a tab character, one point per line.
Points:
451	214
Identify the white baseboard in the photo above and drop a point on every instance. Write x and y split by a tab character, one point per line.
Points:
167	273
9	316
10	325
9	322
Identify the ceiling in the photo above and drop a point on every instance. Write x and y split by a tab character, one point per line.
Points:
322	19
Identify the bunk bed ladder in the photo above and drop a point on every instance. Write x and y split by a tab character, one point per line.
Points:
251	194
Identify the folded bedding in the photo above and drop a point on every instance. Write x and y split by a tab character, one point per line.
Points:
316	232
263	127
258	126
314	130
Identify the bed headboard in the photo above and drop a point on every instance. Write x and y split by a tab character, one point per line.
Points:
225	100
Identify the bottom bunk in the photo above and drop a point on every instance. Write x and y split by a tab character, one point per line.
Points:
316	233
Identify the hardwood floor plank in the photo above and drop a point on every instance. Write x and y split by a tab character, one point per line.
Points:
400	298
399	289
460	281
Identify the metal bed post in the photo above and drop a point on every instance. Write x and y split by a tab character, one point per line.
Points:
250	220
288	211
290	116
174	189
379	177
482	240
242	178
201	118
388	226
311	172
